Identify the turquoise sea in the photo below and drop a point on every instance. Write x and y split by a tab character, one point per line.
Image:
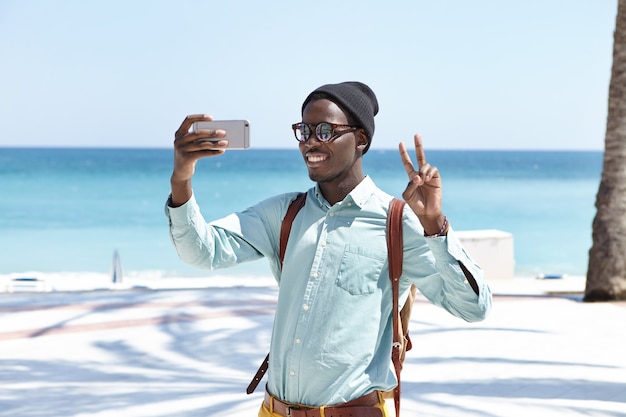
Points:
69	209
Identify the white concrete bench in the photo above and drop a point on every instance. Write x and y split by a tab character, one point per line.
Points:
492	249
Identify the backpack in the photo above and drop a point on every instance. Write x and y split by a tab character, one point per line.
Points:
401	317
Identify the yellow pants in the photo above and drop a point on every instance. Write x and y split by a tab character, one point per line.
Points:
266	412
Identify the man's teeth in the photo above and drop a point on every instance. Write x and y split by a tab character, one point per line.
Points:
316	158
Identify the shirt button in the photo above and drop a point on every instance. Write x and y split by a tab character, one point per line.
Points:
466	282
315	275
305	307
331	214
292	373
323	243
298	341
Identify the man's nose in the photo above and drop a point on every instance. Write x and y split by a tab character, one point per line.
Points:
313	140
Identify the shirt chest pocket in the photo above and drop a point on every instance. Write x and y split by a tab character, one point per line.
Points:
360	269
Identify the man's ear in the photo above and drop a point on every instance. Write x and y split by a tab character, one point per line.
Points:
361	139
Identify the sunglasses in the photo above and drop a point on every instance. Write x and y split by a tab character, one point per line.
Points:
324	132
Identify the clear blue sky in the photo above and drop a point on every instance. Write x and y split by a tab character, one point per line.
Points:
483	74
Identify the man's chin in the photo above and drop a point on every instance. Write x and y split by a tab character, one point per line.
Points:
313	177
316	176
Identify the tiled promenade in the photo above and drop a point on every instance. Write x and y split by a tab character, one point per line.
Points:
191	353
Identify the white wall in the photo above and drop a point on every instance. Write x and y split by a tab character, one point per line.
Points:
492	250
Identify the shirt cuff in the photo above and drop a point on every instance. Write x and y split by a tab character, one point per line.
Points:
447	247
181	214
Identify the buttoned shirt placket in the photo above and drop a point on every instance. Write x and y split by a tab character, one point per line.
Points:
315	278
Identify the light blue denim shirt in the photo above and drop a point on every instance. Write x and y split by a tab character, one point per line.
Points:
332	333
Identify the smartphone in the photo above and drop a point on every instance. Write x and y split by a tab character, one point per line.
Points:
237	132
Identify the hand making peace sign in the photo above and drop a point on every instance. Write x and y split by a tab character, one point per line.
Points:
423	193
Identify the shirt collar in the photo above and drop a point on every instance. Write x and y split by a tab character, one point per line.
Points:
320	198
362	192
359	195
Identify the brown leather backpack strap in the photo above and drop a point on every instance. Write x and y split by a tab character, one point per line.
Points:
394	255
259	375
285	229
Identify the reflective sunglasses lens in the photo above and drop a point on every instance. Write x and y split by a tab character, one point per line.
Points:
305	132
300	131
324	132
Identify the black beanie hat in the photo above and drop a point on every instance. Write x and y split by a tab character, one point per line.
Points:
354	98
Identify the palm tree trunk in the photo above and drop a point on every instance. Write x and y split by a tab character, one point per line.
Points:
606	272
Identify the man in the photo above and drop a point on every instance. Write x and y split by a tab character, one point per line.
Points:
332	337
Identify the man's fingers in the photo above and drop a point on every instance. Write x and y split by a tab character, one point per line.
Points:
406	161
188	122
419	151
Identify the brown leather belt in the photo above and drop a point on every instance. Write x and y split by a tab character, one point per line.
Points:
361	407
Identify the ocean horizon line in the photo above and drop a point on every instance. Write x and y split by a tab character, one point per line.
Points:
295	148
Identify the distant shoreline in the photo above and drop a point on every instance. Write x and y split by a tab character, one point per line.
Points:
38	282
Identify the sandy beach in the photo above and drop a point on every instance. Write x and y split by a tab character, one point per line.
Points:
191	352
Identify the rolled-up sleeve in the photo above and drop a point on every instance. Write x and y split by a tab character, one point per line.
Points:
433	265
207	245
239	237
